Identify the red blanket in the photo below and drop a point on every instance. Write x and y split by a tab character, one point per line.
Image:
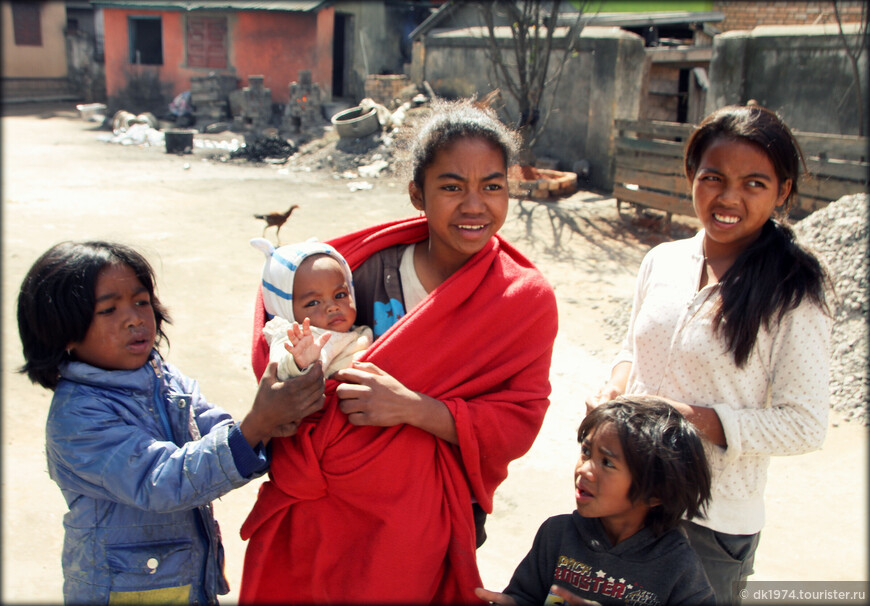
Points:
378	515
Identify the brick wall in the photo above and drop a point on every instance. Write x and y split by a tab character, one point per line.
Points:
740	14
383	89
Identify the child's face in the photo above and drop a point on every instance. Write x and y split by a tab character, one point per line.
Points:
602	480
321	294
464	196
123	329
735	190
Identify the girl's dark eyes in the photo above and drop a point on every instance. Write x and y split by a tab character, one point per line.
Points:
311	303
487	187
341	295
105	311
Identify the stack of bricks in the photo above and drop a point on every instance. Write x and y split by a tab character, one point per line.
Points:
305	105
252	105
210	95
385	89
540	183
741	15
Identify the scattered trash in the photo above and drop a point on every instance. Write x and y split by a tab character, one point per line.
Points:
373	170
149	119
383	113
356	122
355	159
92	112
136	134
121	121
231	145
359	185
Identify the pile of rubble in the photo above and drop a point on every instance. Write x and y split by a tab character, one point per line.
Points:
260	146
368	157
838	233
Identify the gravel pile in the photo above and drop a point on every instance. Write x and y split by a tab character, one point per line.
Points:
838	234
343	157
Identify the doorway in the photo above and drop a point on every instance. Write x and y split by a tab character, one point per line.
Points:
342	53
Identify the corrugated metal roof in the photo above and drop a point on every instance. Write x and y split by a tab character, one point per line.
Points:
628	19
299	6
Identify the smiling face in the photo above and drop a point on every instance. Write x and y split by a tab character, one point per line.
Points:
465	197
735	191
602	481
123	329
321	294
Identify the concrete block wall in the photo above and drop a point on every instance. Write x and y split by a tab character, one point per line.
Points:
580	122
799	71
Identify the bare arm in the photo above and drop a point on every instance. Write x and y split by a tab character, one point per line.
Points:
615	386
703	418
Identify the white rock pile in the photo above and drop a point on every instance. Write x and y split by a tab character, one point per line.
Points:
838	233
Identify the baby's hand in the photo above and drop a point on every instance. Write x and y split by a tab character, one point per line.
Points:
304	348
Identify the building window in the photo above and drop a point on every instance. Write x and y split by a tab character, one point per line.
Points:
146	41
207	42
26	23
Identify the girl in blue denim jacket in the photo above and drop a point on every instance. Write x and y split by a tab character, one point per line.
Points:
137	451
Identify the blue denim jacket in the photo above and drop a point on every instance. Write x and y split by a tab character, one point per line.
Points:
139	455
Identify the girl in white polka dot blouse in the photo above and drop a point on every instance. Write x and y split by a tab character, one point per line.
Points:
731	326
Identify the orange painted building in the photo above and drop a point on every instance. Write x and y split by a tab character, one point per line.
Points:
173	42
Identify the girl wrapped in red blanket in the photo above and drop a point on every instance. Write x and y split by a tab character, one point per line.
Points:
371	500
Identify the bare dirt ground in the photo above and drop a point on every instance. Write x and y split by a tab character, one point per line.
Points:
193	218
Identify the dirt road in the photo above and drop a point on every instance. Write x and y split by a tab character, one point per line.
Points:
193	219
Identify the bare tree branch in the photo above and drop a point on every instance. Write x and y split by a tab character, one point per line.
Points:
532	70
854	54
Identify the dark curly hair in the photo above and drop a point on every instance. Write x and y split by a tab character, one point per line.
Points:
664	454
453	120
57	300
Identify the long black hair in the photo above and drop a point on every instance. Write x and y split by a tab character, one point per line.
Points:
57	300
774	273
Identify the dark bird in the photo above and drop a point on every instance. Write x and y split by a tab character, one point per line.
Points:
276	219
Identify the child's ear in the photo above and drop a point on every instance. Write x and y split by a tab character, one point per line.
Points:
653	502
416	195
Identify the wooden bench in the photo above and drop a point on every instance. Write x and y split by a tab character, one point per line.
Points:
649	167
